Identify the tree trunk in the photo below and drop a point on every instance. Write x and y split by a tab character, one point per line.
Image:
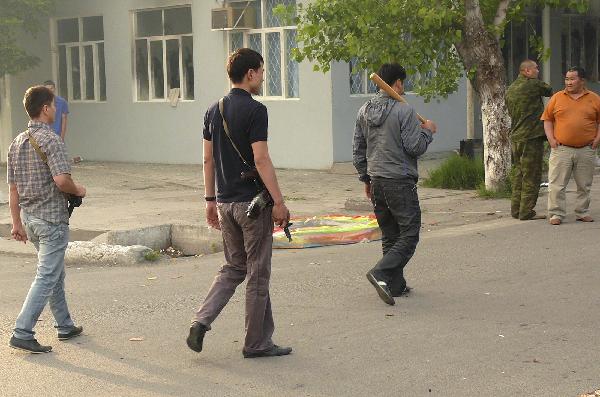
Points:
480	52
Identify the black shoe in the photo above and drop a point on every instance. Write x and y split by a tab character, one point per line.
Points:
273	352
196	336
382	289
31	346
404	292
75	331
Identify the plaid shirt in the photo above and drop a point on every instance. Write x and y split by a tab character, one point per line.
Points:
38	194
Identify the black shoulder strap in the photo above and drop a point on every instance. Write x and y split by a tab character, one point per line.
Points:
226	128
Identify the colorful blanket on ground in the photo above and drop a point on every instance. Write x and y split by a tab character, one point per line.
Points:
325	230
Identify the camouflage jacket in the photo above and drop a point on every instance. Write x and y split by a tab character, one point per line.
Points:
525	106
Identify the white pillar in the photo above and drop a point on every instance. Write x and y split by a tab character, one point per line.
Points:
547	41
6	133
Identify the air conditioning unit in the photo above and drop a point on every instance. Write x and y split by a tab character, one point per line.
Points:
236	15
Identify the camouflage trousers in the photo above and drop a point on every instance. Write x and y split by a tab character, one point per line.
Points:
527	174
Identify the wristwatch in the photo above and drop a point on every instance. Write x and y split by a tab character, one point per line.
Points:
211	198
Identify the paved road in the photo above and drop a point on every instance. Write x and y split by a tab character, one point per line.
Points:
499	309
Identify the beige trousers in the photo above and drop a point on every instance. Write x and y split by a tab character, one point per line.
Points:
564	162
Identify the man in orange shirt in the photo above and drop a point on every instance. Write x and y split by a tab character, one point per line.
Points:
572	126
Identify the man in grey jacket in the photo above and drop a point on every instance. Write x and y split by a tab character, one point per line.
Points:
388	139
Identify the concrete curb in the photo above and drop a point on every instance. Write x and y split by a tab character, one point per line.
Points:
89	253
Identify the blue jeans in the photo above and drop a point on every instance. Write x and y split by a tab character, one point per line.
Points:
50	240
396	206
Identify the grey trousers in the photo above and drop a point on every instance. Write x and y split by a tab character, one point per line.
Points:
248	247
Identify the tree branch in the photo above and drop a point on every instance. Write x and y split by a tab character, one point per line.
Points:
501	13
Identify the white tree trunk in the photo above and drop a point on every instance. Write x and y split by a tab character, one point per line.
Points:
480	52
496	146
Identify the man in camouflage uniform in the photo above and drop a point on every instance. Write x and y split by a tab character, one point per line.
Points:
524	101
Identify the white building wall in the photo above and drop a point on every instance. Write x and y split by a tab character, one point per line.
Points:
124	130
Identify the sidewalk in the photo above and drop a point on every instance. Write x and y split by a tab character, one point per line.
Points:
127	196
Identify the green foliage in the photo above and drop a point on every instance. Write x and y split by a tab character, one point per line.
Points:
505	191
18	17
457	172
420	34
152	255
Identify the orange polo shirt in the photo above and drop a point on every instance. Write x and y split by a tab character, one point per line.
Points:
575	120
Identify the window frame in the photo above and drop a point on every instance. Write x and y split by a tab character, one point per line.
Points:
163	39
284	56
567	20
69	64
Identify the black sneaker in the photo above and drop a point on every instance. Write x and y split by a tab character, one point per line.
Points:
196	336
75	331
382	289
272	352
31	346
404	292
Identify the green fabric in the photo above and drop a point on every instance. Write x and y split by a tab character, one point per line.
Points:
527	174
525	106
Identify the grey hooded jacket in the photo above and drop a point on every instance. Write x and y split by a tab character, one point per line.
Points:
388	139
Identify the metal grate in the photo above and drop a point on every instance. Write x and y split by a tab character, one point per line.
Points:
357	86
236	41
272	20
292	83
274	64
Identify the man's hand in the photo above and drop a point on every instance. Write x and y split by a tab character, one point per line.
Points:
595	143
553	143
368	190
430	125
212	215
281	215
18	233
81	191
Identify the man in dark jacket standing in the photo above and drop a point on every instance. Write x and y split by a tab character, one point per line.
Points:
388	139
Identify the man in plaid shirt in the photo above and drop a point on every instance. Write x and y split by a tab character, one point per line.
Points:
38	183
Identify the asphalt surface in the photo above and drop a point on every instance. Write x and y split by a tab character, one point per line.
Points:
501	308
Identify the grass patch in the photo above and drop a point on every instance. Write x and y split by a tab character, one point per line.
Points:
458	173
503	193
152	256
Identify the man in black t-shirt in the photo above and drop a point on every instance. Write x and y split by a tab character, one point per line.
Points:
248	242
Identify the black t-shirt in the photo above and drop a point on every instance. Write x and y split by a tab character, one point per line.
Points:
248	123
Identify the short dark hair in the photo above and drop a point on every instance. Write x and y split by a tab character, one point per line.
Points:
241	61
50	82
35	99
580	71
391	72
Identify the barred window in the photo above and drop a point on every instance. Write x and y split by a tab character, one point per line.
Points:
275	43
579	42
163	54
80	63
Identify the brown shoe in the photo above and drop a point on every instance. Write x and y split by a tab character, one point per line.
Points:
555	221
586	218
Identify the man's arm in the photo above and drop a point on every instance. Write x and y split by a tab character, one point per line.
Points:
17	232
264	166
545	88
208	169
63	133
549	129
65	184
597	139
416	137
359	156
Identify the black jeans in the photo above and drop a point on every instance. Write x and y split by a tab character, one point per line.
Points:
396	206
